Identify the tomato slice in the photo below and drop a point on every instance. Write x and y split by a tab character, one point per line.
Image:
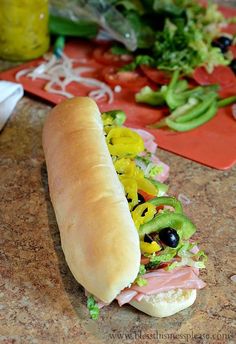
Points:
156	75
104	56
230	29
221	75
233	50
228	12
131	80
145	260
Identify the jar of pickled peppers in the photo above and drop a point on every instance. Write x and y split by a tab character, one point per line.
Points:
23	29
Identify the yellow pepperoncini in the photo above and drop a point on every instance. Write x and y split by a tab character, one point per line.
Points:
113	119
108	122
143	213
23	29
123	142
147	186
107	119
125	167
107	128
128	168
149	247
131	190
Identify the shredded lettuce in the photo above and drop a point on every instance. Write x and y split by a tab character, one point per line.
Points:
142	269
155	170
150	169
165	256
182	251
92	307
140	281
189	262
143	160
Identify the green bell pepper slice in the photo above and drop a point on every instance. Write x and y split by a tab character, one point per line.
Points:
184	227
171	201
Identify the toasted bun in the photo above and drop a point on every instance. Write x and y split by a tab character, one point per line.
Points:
166	303
98	235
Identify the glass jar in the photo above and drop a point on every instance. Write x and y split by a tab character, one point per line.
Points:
23	29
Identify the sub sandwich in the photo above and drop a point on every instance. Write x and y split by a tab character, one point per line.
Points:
121	236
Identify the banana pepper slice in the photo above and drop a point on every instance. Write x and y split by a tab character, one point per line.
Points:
123	142
131	190
147	186
149	247
143	213
127	167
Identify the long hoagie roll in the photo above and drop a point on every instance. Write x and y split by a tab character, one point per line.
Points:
123	238
98	235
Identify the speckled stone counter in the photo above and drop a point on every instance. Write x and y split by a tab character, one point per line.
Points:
40	302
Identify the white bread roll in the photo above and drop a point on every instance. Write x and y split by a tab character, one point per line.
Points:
166	303
98	236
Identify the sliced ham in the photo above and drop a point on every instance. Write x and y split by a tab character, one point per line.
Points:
151	146
126	296
138	297
148	139
159	281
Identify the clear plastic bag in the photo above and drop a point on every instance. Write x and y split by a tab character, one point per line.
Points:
101	12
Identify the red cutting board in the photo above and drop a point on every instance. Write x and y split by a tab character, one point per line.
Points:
213	144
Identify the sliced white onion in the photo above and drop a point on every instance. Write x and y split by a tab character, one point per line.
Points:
49	88
39	70
65	82
42	76
80	70
148	169
97	94
43	67
140	163
60	73
23	72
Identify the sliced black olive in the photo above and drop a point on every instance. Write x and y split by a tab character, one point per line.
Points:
225	41
169	237
222	43
141	200
233	65
217	44
148	238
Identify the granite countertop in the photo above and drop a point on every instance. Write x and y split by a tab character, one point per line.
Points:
40	302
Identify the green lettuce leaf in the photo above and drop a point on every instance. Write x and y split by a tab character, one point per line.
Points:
188	258
142	269
92	307
140	281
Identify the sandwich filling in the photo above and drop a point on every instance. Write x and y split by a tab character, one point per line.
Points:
170	259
